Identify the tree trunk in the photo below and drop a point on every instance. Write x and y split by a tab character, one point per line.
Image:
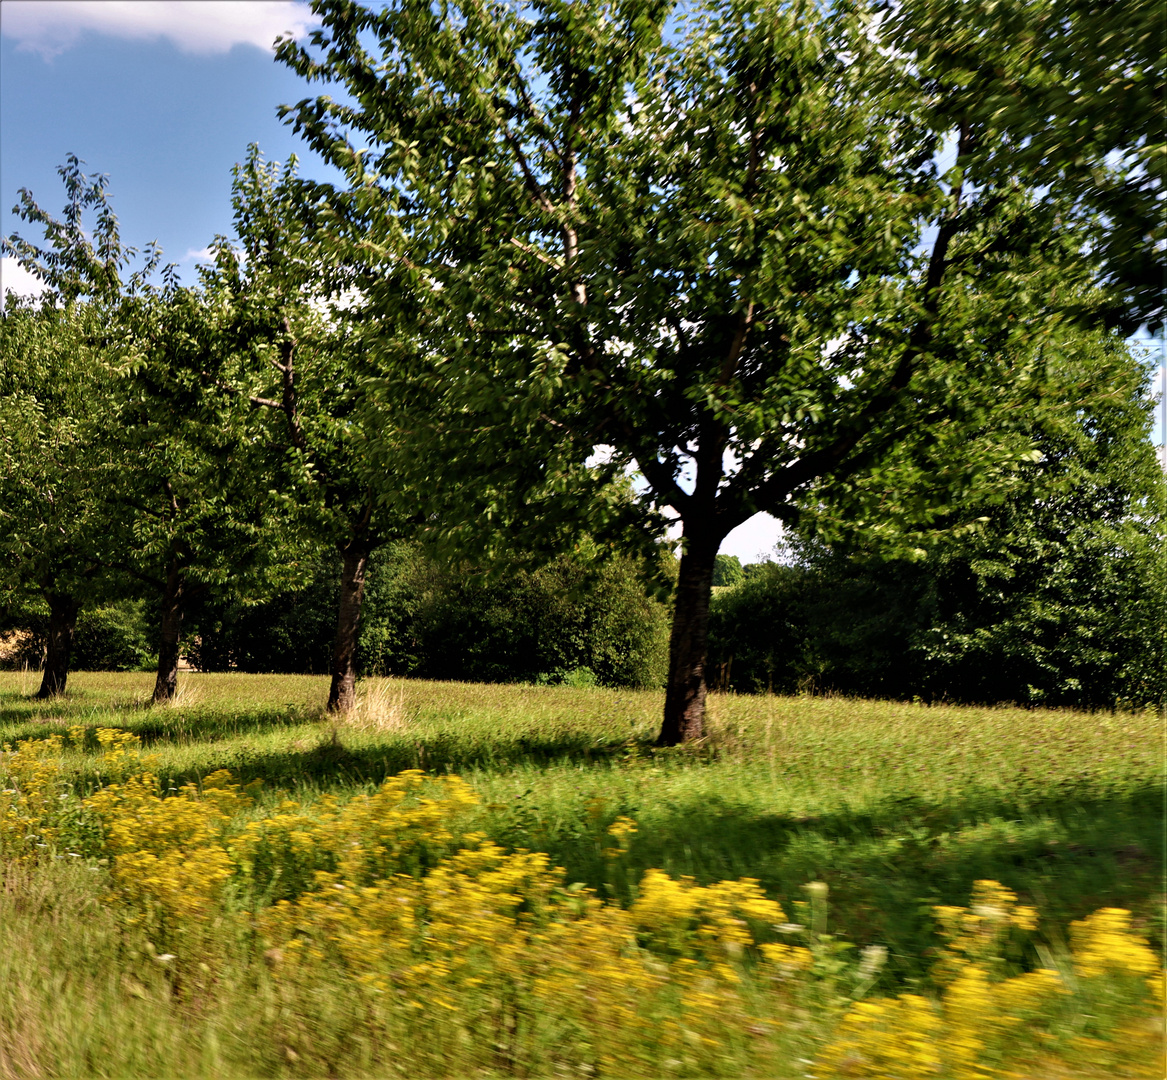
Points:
685	692
342	692
62	621
173	601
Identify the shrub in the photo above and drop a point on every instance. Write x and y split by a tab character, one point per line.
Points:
116	637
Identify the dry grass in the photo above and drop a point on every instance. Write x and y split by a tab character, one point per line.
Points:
379	710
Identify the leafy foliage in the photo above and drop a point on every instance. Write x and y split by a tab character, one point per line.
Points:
429	619
1074	94
725	253
727	570
1055	597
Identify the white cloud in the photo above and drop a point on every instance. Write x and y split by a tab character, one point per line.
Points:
201	255
14	278
49	27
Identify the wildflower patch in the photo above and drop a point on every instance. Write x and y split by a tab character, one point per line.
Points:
449	939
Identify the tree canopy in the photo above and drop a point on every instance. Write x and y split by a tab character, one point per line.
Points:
712	239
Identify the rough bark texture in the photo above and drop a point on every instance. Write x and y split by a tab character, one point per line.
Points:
688	644
172	610
62	622
342	692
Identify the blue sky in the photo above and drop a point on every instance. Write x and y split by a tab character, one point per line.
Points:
164	97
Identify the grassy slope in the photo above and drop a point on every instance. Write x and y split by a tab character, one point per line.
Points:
896	806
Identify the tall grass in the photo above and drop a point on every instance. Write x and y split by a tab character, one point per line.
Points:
899	808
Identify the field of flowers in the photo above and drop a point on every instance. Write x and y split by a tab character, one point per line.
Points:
496	881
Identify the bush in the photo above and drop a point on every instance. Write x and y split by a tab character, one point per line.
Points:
117	637
289	633
431	620
758	631
110	637
548	624
1073	624
727	570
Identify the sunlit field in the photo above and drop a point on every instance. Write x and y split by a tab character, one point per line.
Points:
471	880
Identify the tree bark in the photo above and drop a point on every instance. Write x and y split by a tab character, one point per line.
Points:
173	602
685	691
62	622
342	692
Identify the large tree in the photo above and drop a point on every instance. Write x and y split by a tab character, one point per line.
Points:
57	400
710	238
295	359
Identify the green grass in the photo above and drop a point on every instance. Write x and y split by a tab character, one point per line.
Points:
896	806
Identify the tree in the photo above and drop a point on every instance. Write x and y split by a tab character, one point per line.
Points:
1055	600
56	394
296	360
51	470
724	252
193	508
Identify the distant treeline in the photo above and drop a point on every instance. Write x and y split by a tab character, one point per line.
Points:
573	620
960	629
972	623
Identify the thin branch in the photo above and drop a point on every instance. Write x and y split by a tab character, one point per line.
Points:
533	186
729	365
287	352
553	263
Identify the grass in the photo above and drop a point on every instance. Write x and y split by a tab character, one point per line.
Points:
897	807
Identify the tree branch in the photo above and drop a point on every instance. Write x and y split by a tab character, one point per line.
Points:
831	458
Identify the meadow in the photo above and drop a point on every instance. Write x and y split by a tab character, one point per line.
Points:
824	887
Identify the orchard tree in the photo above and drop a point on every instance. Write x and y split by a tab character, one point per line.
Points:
53	466
193	508
57	392
295	359
711	240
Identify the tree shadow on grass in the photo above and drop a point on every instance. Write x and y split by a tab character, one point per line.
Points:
327	762
889	865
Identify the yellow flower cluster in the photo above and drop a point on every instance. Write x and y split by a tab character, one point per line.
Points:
711	923
29	799
1103	943
462	941
169	858
987	1024
622	830
980	933
487	941
403	826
